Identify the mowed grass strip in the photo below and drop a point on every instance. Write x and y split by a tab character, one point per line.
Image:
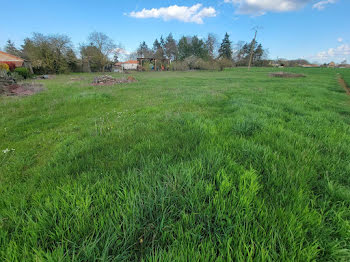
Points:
180	166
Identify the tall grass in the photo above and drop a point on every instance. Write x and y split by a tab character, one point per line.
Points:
180	166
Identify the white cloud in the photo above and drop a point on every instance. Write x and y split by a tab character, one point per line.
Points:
321	5
260	7
187	14
336	54
340	39
122	51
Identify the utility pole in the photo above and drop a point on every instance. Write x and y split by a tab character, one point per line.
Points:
252	50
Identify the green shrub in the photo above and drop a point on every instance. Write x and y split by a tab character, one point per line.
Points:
224	63
201	64
3	73
4	66
146	66
16	76
22	71
179	66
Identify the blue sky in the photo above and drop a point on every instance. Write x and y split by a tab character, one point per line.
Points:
318	30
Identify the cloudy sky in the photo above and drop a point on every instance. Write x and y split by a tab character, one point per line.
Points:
318	30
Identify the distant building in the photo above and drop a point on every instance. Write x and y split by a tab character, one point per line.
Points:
129	65
344	66
7	58
331	65
310	65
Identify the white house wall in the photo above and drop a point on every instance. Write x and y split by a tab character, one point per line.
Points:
129	66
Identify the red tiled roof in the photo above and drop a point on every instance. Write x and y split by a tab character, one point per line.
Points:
7	57
131	62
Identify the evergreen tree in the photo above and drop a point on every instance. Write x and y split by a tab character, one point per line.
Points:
143	50
162	42
171	50
199	48
184	48
158	50
211	44
10	48
243	54
225	50
156	45
116	58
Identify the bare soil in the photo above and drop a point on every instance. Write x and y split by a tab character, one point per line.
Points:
21	89
286	75
344	85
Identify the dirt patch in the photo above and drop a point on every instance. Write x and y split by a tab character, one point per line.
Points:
21	89
286	75
77	79
344	85
73	80
107	80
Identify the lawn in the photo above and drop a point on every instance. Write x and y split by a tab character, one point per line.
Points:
180	166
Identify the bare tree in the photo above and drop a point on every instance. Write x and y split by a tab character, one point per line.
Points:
132	56
104	44
252	50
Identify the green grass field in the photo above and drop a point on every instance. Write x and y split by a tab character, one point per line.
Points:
180	166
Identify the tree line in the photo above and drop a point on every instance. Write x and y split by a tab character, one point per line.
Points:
207	49
56	54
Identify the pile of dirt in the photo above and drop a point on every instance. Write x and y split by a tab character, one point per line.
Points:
107	80
21	89
286	75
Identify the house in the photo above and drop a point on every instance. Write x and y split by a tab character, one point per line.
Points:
117	67
129	65
7	58
331	65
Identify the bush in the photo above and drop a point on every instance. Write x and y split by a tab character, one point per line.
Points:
146	66
4	66
179	66
12	66
16	76
201	64
3	74
224	63
22	71
195	63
